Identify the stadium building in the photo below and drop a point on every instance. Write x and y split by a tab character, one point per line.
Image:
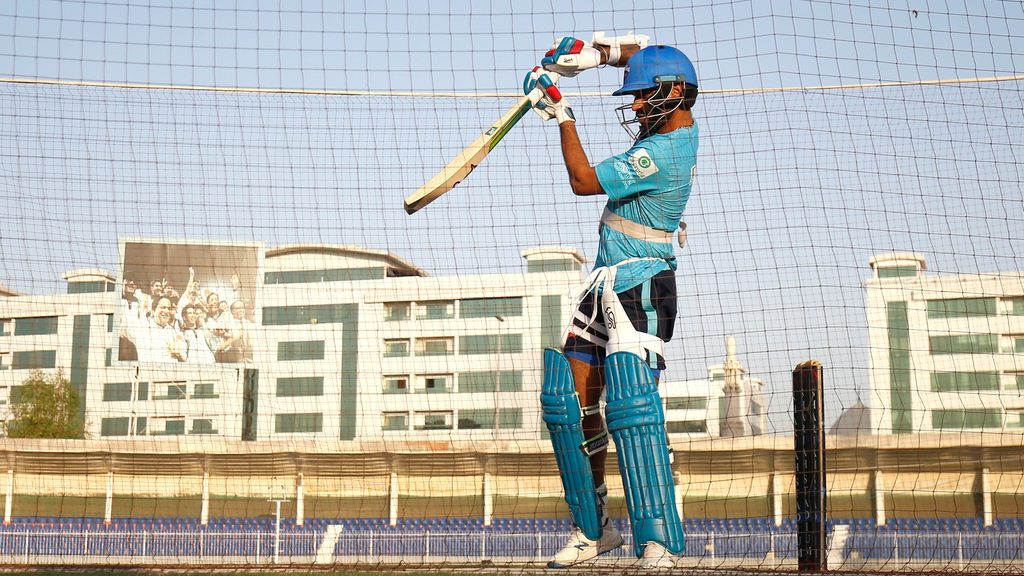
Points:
946	351
348	343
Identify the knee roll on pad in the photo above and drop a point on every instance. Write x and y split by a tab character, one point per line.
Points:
636	422
560	407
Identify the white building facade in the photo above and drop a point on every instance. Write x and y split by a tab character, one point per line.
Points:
946	351
350	344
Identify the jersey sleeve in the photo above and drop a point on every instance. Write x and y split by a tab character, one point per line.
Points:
630	173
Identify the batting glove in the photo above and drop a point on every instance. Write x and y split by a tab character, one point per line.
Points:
570	56
552	104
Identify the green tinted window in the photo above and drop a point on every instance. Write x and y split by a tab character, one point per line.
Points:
490	343
204	390
965	419
964	381
686	403
87	287
476	419
687	427
435	310
487	307
396	384
1017	309
964	344
550	321
552	265
510	418
174	427
961	307
324	275
300	386
396	348
491	381
143	391
897	272
35	326
117	391
393	421
114	426
898	331
298	423
34	359
300	350
202	426
394	311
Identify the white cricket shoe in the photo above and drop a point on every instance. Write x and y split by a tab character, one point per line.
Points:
580	548
656	557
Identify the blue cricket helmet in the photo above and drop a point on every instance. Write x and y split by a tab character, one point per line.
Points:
653	65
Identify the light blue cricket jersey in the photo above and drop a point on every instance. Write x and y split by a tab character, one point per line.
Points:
649	184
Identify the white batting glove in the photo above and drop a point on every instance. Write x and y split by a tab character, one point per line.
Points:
570	56
614	44
553	104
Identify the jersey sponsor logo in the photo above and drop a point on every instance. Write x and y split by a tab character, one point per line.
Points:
622	169
642	163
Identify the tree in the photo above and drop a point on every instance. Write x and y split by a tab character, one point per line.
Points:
45	407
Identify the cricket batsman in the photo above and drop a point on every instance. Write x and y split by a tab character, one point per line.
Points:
615	341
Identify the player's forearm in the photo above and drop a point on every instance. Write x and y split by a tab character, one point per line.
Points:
582	176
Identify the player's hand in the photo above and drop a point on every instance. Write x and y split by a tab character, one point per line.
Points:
570	56
552	104
618	49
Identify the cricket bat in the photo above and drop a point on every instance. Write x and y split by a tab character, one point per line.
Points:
471	156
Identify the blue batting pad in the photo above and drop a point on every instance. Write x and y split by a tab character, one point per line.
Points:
563	415
636	422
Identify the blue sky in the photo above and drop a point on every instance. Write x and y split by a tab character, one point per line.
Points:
796	190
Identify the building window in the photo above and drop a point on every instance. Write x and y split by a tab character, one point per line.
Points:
440	420
397	311
204	390
964	344
89	287
491	381
298	423
175	391
967	419
202	426
490	307
300	350
510	418
140	426
394	421
324	275
143	391
1016	309
961	307
477	419
687	427
396	384
1020	381
435	310
964	381
108	357
552	265
35	326
5	324
491	343
434	383
4	360
117	391
300	386
440	346
114	426
396	348
897	272
171	426
34	360
686	403
299	315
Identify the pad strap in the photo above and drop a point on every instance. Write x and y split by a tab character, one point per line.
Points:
636	422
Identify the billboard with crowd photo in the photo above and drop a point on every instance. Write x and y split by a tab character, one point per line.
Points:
188	302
